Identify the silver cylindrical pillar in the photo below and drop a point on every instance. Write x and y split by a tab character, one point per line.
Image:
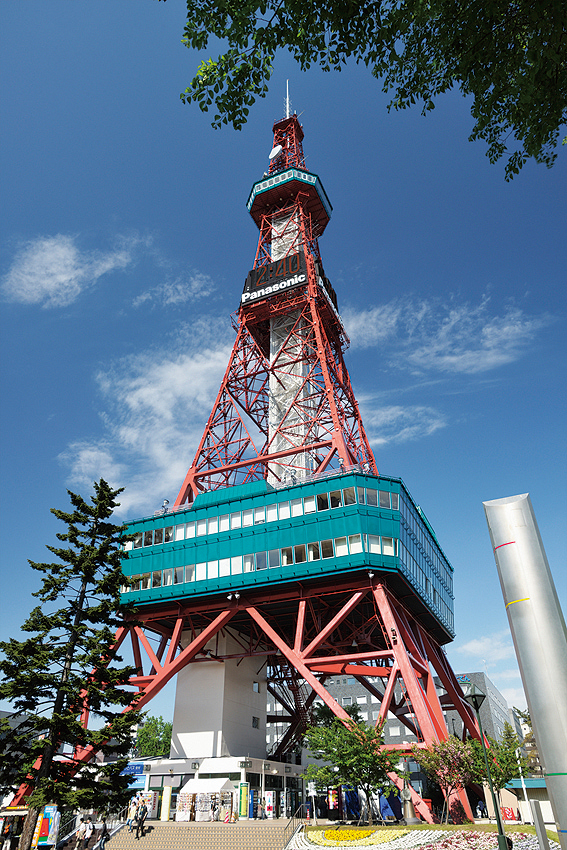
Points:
539	635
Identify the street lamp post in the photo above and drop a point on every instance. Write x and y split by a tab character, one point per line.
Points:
475	697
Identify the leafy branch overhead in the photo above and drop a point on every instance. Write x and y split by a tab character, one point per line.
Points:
509	57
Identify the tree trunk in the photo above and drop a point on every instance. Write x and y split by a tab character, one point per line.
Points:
29	828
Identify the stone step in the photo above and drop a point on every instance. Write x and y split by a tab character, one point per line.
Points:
243	835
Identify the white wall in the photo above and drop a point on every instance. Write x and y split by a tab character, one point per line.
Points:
214	705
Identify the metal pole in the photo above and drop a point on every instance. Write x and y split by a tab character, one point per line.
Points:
523	785
539	634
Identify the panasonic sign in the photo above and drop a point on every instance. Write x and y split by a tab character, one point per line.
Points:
266	281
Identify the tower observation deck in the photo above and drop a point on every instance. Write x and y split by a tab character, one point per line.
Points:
287	558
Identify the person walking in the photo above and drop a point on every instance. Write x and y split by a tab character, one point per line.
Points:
80	835
133	808
103	834
141	818
89	829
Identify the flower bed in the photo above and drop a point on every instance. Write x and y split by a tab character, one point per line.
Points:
404	839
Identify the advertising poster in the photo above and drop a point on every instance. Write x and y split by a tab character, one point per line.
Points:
47	827
243	794
269	804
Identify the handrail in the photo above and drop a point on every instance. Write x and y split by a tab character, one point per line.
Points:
294	824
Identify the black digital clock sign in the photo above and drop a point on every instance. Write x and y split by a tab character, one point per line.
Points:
266	281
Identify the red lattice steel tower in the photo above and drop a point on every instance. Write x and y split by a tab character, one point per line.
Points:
286	557
285	408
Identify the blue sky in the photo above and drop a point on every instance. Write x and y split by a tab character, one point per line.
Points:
125	244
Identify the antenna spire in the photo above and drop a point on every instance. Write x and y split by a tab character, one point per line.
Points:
287	100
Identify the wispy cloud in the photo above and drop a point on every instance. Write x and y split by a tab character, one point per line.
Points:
397	424
177	291
52	271
155	406
447	337
489	649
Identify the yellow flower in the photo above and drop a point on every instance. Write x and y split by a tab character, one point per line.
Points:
354	837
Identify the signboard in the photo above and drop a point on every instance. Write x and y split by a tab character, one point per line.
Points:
276	277
243	792
269	804
47	827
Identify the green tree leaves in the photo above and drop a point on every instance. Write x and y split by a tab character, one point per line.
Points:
67	666
153	737
354	754
510	57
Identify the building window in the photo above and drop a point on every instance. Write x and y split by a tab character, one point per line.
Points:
347	700
255	722
256	687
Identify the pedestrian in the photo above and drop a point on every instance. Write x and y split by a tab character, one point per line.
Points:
103	834
80	835
89	829
133	808
141	816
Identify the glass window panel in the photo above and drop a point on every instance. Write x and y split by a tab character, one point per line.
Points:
201	527
213	524
128	545
361	495
374	544
158	535
395	501
223	522
347	700
261	562
168	534
248	563
335	498
349	496
190	529
213	569
309	504
271	513
341	546
145	580
259	515
283	509
148	538
287	556
179	575
387	546
296	507
224	567
201	571
299	552
248	517
384	499
236	564
354	543
167	578
274	558
372	498
156	578
135	583
313	553
236	520
322	501
137	540
189	573
327	549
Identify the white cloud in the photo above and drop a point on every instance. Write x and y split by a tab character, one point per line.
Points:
489	649
444	336
53	270
396	424
155	409
177	291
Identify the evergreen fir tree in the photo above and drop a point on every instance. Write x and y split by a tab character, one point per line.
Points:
504	760
67	669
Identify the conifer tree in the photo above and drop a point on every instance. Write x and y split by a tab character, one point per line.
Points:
66	667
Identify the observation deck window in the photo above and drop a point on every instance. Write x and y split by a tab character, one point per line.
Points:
335	499
236	520
349	495
299	553
313	552
322	501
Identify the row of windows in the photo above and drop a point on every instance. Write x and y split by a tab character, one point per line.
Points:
267	513
238	564
441	600
419	538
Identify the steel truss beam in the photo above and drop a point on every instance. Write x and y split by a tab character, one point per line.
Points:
352	626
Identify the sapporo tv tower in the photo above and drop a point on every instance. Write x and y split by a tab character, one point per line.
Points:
287	559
